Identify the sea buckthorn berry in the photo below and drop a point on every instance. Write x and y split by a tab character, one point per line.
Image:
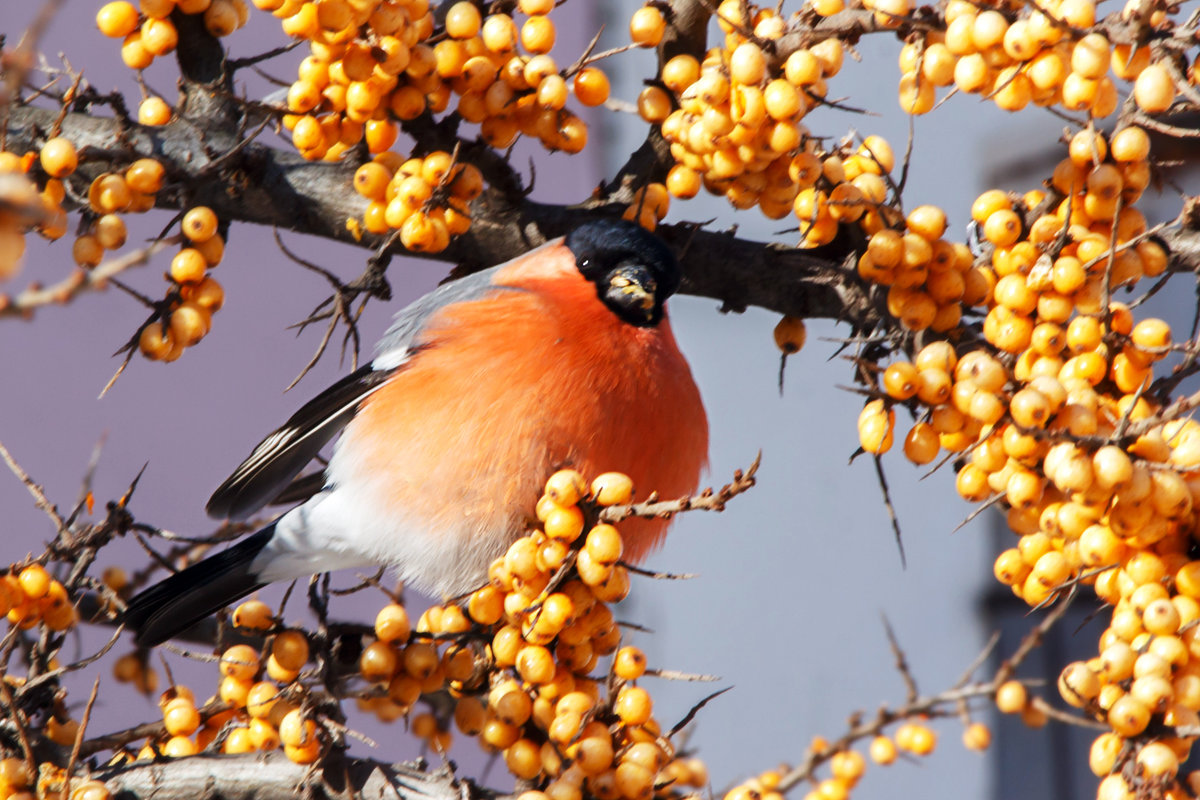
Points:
110	231
240	662
58	157
180	718
921	445
537	34
646	26
901	380
392	624
1078	684
1030	408
199	224
189	323
290	650
295	730
117	19
591	86
1156	760
928	222
1130	144
604	544
563	523
629	663
463	20
234	691
977	736
875	426
1128	716
790	334
261	699
566	487
535	664
253	615
1151	334
633	705
1002	228
378	662
188	266
1154	90
611	489
155	342
882	750
35	581
1011	697
154	111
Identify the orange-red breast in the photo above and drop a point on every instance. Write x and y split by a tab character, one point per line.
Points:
561	357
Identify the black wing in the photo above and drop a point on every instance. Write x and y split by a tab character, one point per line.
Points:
281	456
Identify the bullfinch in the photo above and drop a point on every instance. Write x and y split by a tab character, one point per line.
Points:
561	357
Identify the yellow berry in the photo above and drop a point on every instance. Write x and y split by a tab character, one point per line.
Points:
199	224
58	157
790	334
882	750
290	650
611	489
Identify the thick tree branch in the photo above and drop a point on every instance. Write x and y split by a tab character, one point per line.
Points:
273	187
271	776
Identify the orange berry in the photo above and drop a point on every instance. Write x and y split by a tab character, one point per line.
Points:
188	266
591	86
633	705
646	26
882	750
1154	90
58	157
34	581
1011	697
154	111
463	20
199	224
929	222
1002	227
537	34
566	487
290	650
901	380
117	19
145	176
611	489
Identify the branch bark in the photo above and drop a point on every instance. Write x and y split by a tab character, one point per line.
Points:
251	182
271	776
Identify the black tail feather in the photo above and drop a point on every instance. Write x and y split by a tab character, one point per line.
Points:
172	605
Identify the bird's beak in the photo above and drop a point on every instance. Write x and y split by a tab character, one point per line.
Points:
633	288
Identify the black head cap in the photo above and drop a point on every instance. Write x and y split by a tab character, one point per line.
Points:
633	270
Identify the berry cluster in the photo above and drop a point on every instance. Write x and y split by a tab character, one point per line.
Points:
1016	54
1052	412
30	597
733	119
426	199
147	31
110	195
517	657
373	63
24	207
194	296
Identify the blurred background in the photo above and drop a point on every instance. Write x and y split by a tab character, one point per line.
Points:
794	579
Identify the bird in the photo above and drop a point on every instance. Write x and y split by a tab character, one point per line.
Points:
562	357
